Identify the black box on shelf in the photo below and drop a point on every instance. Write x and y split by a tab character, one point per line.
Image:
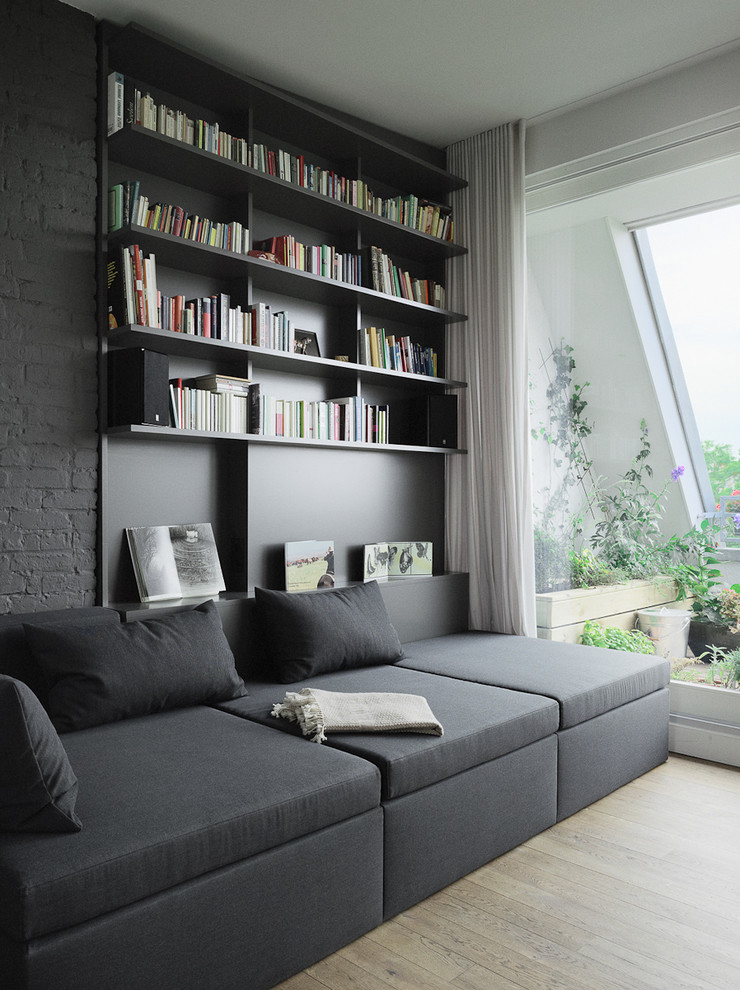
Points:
426	421
138	387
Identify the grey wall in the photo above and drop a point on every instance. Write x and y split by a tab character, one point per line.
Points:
48	355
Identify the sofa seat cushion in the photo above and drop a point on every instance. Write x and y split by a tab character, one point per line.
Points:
167	798
480	723
586	681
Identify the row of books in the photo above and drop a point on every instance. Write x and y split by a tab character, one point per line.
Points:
349	419
202	405
409	210
398	353
127	205
133	298
387	277
230	405
320	259
128	105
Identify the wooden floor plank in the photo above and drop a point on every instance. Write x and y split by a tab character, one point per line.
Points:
638	892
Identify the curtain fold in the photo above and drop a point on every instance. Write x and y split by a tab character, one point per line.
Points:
489	530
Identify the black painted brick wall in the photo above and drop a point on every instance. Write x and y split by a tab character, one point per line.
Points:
48	359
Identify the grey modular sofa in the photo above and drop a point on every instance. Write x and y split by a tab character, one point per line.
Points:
218	848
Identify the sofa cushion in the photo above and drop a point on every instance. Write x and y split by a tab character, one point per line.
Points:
586	681
480	723
38	788
320	631
167	798
103	673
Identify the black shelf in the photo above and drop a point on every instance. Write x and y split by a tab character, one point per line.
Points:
258	491
169	433
189	256
188	345
165	65
165	156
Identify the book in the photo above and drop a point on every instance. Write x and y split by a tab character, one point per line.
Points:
115	102
410	560
309	564
175	561
375	562
223	383
119	313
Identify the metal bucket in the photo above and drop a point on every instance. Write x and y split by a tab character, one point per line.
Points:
667	628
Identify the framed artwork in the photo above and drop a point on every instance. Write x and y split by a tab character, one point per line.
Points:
306	342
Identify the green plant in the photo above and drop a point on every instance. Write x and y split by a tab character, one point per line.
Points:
691	560
625	516
614	638
724	671
588	571
729	607
627	536
564	432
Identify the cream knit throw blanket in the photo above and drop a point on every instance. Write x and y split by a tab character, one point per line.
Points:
318	712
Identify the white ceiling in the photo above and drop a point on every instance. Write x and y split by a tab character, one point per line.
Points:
442	70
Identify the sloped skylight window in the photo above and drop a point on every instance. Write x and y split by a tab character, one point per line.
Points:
697	266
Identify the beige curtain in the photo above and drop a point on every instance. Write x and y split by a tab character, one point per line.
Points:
489	501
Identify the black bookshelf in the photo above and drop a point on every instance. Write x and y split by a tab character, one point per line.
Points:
261	491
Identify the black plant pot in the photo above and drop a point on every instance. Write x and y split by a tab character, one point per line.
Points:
702	635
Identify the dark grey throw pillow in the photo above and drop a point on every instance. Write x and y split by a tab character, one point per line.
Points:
316	632
38	788
104	673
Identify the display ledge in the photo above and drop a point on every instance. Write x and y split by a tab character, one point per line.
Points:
188	345
230	95
169	433
202	259
230	599
139	147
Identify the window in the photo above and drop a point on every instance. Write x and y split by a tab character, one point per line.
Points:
692	267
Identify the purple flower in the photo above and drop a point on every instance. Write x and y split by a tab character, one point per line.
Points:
736	518
677	472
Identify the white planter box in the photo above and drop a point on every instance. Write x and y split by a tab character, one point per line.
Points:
561	615
705	722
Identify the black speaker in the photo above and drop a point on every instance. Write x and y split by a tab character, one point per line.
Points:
138	388
427	421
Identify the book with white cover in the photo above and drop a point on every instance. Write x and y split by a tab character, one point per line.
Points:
175	561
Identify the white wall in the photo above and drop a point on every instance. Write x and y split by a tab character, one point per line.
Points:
701	97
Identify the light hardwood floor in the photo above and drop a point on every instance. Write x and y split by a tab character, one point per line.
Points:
641	891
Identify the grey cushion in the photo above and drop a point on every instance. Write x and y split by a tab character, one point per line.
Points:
320	631
167	798
15	656
585	680
103	673
38	788
480	723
